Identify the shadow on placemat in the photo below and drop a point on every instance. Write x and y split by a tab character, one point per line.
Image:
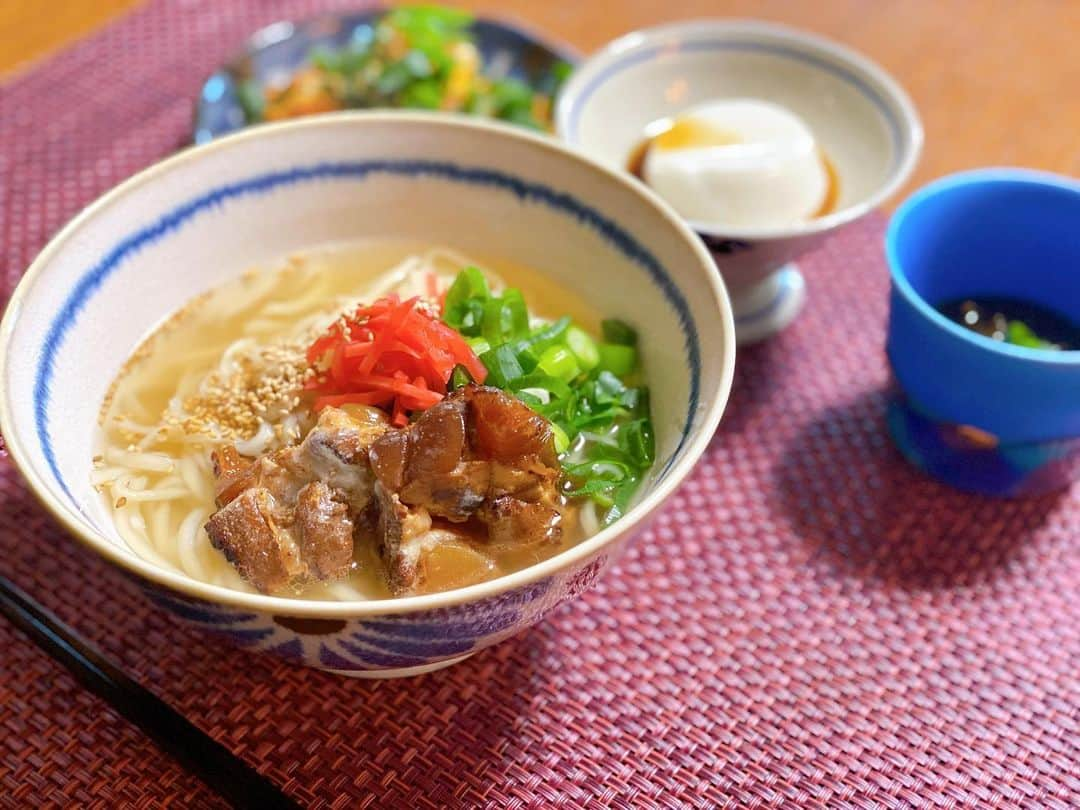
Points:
874	516
759	376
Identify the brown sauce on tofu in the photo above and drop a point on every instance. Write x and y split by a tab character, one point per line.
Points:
635	163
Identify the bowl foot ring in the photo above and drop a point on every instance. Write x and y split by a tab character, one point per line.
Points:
769	306
404	672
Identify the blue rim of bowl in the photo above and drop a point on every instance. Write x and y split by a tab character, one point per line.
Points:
906	131
561	201
648	54
114	258
277	32
988	176
505	587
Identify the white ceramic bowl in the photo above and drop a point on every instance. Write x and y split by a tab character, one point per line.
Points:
862	119
211	212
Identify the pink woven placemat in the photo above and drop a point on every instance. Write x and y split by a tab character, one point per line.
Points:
809	623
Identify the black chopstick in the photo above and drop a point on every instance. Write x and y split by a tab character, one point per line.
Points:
221	770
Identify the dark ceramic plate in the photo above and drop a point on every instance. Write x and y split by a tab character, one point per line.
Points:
274	53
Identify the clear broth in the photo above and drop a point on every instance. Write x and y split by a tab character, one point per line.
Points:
189	345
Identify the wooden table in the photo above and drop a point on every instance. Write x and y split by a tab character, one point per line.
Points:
997	81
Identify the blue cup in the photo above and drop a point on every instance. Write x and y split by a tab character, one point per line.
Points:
984	415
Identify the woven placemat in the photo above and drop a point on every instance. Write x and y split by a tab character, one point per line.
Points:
809	623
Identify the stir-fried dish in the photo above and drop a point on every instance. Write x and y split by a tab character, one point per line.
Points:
435	435
418	57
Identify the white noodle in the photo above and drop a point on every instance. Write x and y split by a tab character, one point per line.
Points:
194	479
173	480
148	441
137	541
133	427
151	462
589	521
106	475
158	529
150	494
258	443
165	486
187	540
344	591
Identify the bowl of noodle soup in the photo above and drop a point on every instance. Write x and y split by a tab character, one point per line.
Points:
166	336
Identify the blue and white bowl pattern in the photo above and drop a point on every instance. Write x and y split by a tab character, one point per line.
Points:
863	121
393	644
253	198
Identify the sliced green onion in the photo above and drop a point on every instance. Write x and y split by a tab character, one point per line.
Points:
638	440
252	101
583	347
559	362
562	441
600	426
469	284
635	400
1020	334
623	495
544	336
598	490
459	377
505	318
557	388
606	470
619	332
478	345
609	388
530	399
515	312
619	359
492	325
595	421
502	365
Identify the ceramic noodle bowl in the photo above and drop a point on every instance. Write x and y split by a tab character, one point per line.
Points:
863	122
249	199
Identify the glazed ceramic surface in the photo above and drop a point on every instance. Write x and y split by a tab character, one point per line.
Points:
861	118
247	200
273	55
981	414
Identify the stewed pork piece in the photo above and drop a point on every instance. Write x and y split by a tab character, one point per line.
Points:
356	450
480	460
289	515
476	471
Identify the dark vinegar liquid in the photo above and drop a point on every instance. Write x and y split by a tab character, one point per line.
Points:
990	316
